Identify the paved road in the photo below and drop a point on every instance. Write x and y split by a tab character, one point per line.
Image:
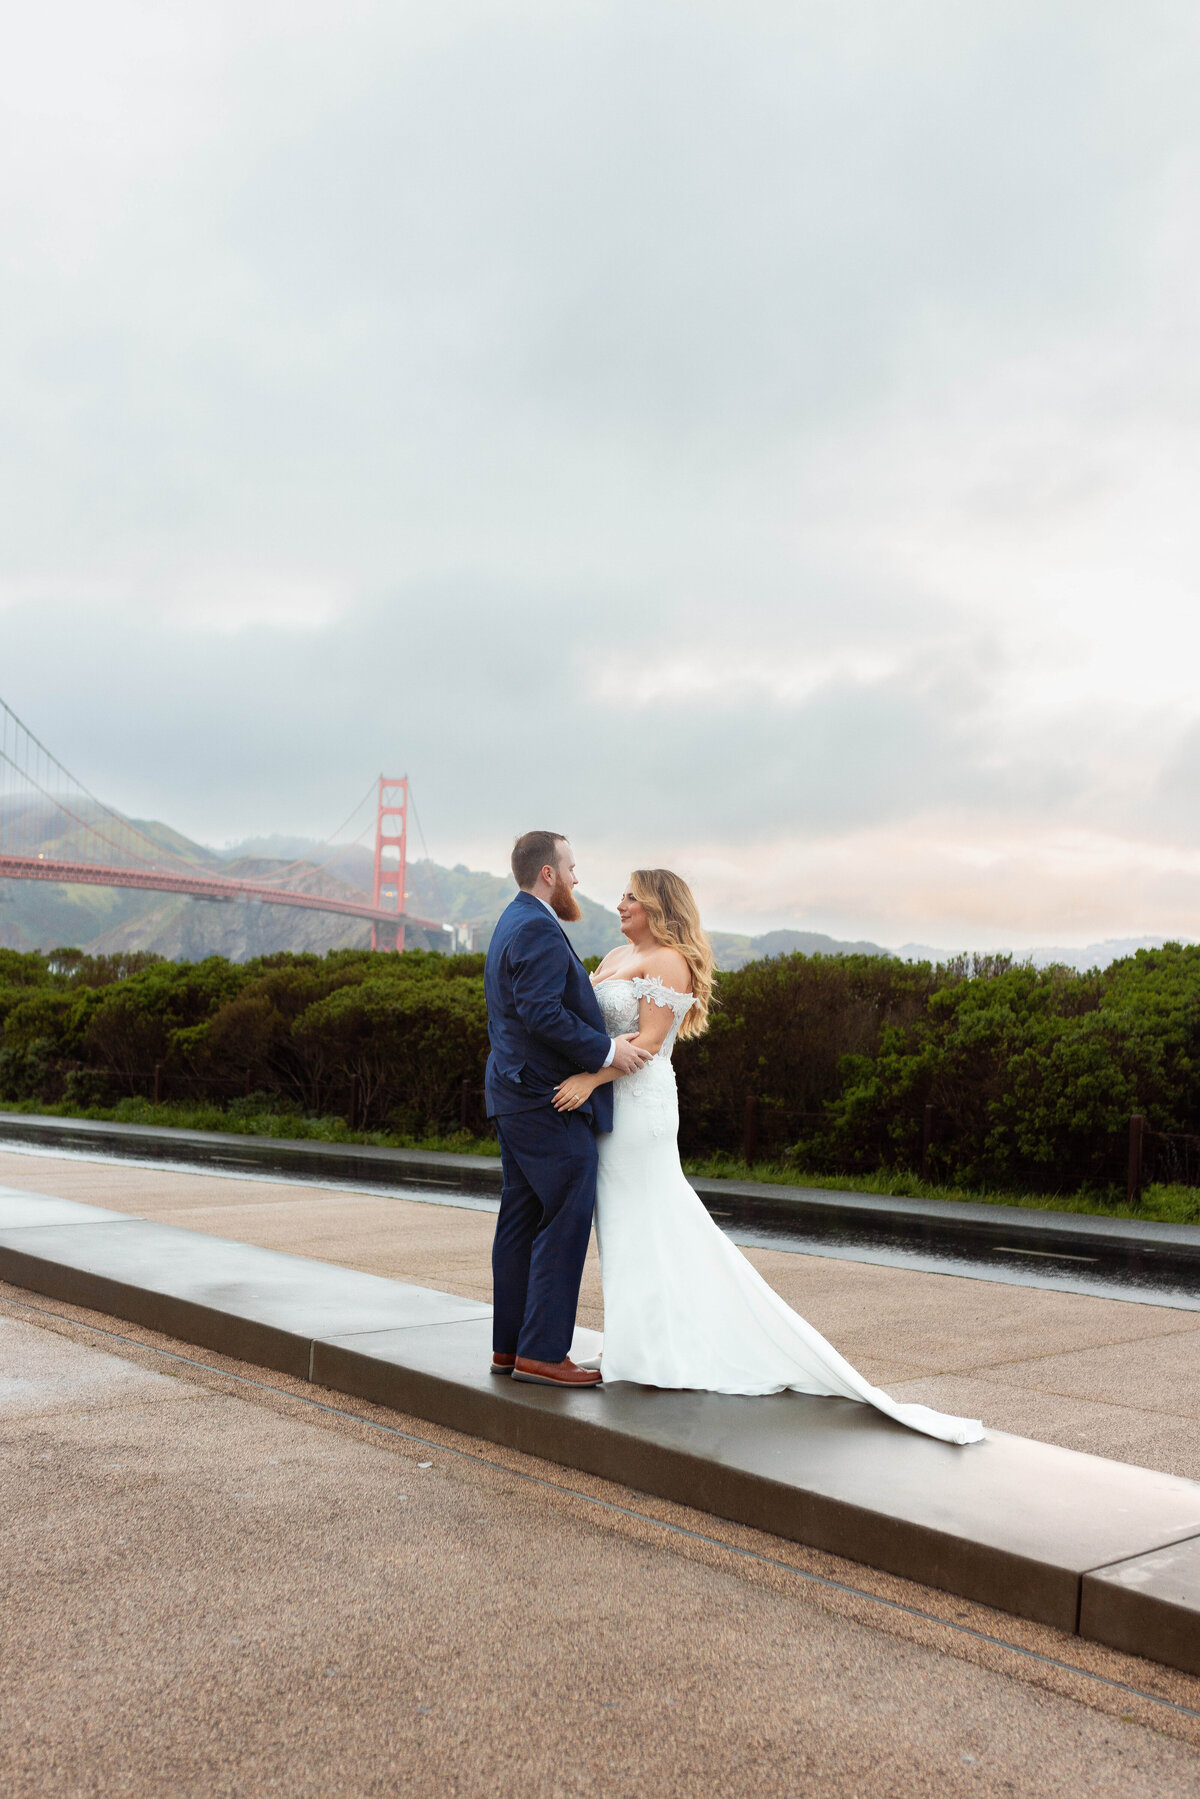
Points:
215	1588
1113	1378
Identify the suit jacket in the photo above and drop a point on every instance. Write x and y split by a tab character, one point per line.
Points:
544	1020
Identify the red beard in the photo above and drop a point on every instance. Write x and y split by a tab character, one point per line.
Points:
564	903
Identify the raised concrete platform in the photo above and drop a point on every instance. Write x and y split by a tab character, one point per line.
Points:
1149	1605
306	1157
1163	1251
1071	1540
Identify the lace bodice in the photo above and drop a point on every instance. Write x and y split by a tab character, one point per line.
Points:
619	997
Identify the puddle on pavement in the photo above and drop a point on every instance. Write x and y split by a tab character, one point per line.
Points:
1102	1277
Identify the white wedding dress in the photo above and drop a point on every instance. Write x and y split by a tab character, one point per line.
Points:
683	1307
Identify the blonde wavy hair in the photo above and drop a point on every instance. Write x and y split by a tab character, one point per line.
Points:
674	920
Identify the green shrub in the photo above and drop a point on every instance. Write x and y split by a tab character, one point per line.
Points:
1031	1074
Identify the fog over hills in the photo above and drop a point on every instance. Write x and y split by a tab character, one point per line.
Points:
1091	955
465	896
103	920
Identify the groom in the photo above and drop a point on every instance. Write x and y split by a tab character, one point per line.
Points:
544	1023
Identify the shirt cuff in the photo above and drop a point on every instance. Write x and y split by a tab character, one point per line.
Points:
612	1050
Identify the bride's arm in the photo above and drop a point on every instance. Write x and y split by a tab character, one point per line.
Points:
654	1021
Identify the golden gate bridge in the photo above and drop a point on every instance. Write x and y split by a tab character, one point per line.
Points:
53	828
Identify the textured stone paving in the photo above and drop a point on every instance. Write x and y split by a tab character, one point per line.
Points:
1111	1378
213	1588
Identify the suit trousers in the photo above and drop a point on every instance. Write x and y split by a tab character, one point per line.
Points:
549	1161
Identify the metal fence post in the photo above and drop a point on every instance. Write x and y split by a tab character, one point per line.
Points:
926	1140
1133	1184
158	1083
750	1132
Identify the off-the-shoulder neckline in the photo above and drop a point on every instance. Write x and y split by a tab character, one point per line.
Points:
655	980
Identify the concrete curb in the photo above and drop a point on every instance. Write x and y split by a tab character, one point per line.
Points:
1088	1545
1165	1251
275	1155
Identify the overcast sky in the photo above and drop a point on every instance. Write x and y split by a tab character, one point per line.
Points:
760	438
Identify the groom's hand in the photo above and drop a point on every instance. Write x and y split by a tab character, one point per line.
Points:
627	1056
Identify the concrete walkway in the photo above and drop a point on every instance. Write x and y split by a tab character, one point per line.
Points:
213	1587
1111	1378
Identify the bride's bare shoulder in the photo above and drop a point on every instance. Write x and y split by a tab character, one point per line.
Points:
670	967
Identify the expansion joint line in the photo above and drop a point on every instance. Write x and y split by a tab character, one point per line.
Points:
625	1511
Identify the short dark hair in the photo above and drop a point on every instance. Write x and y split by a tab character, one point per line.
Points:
533	852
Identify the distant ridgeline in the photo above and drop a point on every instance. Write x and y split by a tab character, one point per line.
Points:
992	1074
117	921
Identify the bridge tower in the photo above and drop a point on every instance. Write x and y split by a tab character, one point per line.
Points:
391	857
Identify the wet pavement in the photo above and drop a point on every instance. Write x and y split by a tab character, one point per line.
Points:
1141	1261
1081	1371
214	1586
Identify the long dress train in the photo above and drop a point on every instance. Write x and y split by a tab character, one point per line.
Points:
683	1307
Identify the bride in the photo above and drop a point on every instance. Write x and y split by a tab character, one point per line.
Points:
683	1307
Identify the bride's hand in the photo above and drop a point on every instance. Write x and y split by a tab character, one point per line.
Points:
571	1093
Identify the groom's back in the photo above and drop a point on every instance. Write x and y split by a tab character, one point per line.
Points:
512	1048
529	952
497	970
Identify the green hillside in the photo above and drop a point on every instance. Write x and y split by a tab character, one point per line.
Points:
37	915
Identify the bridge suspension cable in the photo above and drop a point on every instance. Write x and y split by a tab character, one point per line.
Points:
28	822
53	828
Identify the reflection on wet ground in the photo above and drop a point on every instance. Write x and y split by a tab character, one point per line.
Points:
1100	1276
1148	1279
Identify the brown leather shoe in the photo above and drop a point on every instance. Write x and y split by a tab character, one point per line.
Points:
501	1363
555	1374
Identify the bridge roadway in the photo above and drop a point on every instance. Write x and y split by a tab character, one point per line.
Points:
212	887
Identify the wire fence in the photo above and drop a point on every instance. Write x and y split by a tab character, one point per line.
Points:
1133	1154
1164	1158
164	1084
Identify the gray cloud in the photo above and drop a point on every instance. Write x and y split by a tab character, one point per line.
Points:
413	386
475	697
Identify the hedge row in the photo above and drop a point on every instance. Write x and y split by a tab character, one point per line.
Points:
1032	1074
391	1037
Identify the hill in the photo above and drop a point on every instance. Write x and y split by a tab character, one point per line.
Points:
734	951
107	920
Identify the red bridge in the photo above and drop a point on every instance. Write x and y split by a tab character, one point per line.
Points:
90	844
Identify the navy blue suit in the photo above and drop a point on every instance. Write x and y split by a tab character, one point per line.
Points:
544	1023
